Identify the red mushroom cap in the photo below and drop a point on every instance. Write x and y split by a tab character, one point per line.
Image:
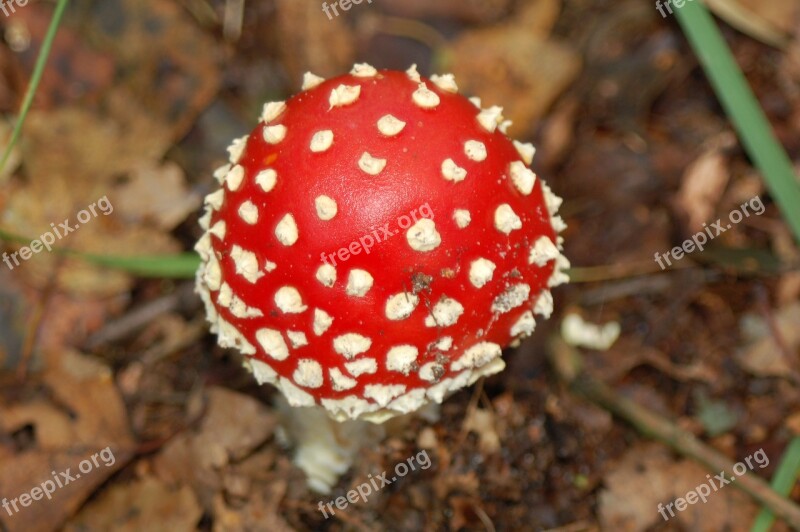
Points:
376	242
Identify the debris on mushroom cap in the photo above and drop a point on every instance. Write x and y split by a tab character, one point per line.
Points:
376	242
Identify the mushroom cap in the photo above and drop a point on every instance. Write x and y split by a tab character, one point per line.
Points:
376	242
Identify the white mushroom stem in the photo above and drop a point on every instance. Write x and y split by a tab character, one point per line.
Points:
324	448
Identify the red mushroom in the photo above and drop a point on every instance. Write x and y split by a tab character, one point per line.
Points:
376	242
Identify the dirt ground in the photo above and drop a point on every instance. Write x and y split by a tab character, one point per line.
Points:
140	100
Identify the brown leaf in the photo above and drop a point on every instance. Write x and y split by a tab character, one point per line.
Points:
508	65
702	186
145	504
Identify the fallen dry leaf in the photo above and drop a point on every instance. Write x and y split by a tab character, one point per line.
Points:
510	66
702	186
767	355
145	504
84	416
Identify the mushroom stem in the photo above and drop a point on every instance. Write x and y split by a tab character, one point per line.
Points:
325	449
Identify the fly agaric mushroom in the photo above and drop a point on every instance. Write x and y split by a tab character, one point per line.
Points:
376	241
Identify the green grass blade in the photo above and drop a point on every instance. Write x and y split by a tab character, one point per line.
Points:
38	69
743	109
783	482
181	266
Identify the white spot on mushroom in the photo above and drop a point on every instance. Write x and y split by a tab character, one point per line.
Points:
322	321
340	381
234	178
371	165
401	358
215	199
289	301
504	125
481	271
383	393
400	306
203	247
326	274
308	373
559	277
359	283
552	201
475	150
558	224
221	172
322	141
219	229
505	219
326	208
524	326
412	74
240	309
310	81
475	101
344	95
297	339
452	172
230	336
522	177
272	110
274	134
513	297
446	82
445	313
462	218
431	372
248	212
425	98
351	344
542	252
225	295
272	343
266	179
489	118
423	236
236	149
294	395
261	371
363	70
286	230
361	366
212	275
442	344
390	126
544	304
246	264
205	220
269	266
477	356
526	150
